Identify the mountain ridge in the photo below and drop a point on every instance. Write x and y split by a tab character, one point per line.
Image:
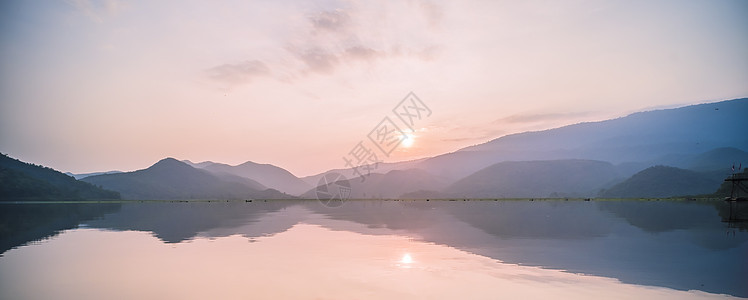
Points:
664	181
638	137
536	179
170	179
266	174
699	137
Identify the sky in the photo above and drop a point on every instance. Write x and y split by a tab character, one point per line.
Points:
90	86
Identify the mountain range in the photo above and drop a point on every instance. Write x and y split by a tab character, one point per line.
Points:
644	137
170	179
583	160
660	153
265	174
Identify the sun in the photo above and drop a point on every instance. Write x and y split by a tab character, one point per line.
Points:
406	259
408	140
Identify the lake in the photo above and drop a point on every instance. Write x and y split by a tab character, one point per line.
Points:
375	249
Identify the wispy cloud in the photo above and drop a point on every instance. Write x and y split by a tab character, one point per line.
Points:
467	133
477	138
239	73
513	123
334	20
432	11
541	117
363	53
317	59
328	40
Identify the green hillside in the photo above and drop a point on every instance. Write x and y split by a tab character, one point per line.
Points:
726	187
24	181
551	178
663	181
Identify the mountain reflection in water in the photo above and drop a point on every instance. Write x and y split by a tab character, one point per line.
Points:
683	245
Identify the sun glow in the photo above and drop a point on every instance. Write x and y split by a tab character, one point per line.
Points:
407	140
406	259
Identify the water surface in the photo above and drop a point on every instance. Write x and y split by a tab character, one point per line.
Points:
373	249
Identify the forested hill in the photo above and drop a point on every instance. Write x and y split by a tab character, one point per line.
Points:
23	181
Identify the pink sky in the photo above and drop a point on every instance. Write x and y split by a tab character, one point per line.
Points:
106	85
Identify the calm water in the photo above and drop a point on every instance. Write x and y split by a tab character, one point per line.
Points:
374	250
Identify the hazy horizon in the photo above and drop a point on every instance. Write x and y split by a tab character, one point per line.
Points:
408	159
89	86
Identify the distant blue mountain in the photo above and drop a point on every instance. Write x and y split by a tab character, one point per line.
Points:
84	175
639	137
266	174
718	159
